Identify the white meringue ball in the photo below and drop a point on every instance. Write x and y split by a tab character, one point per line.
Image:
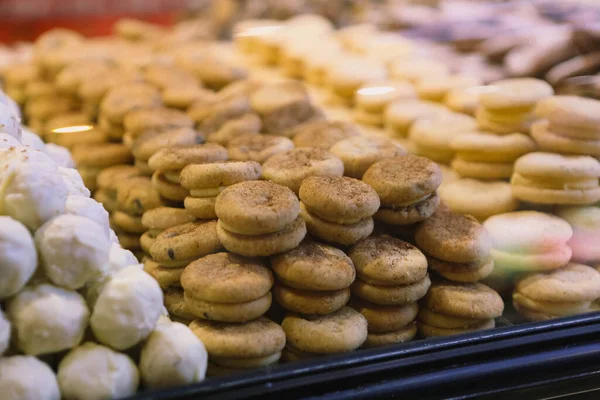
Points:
31	139
127	309
92	371
73	250
7	141
61	155
4	333
47	319
18	256
113	237
10	122
74	182
171	356
33	190
91	209
27	378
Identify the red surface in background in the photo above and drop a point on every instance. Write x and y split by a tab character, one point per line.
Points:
27	19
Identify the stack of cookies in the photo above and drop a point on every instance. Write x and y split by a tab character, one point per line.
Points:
487	156
402	113
566	291
43	101
372	99
547	178
358	153
392	277
436	88
206	181
151	121
15	79
457	246
259	148
108	180
121	100
259	219
322	134
585	221
338	209
92	90
91	160
453	308
507	106
570	125
345	75
313	278
407	188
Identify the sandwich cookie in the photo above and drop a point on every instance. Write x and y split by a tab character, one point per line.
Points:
206	181
358	153
452	308
313	278
465	100
372	98
249	123
407	188
159	219
436	88
323	134
91	160
401	114
569	290
546	178
346	75
585	222
457	246
259	148
158	119
292	167
243	346
338	209
227	287
106	184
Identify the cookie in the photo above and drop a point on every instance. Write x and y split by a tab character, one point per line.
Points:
166	217
358	153
219	174
463	300
167	189
227	312
464	100
226	278
211	117
109	178
129	241
314	266
401	114
252	147
256	208
453	237
137	195
462	272
323	134
417	69
489	148
565	291
373	97
310	302
166	277
337	199
183	97
515	93
402	335
101	155
436	88
346	75
123	99
550	141
181	244
127	222
201	207
344	330
70	137
164	76
176	137
386	261
435	331
248	123
345	234
585	222
391	295
254	339
384	319
176	158
266	244
477	198
411	214
547	178
108	200
175	304
571	116
148	238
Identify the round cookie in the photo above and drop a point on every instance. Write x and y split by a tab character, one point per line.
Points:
166	217
549	141
176	158
214	175
310	302
201	207
237	364
464	300
346	234
338	199
155	118
263	245
401	114
167	189
256	208
181	244
175	137
384	319
453	237
434	331
109	177
166	277
482	170
314	266
136	195
485	147
344	330
515	93
391	295
259	148
227	312
402	335
291	168
462	272
372	97
122	99
226	278
254	339
323	134
358	153
403	179
387	261
411	214
580	114
246	123
101	155
127	222
477	198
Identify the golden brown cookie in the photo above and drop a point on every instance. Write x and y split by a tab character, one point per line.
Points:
323	134
155	119
166	217
248	123
123	99
218	174
464	300
358	153
384	319
252	147
144	148
310	302
121	221
101	155
227	312
137	195
201	207
345	234
166	277
404	334
176	158
175	304
462	272
391	295
110	177
181	244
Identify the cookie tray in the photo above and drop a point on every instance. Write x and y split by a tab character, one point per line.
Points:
547	359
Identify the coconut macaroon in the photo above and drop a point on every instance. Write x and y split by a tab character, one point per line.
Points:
407	188
47	319
18	256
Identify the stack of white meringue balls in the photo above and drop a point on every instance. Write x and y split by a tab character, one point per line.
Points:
79	318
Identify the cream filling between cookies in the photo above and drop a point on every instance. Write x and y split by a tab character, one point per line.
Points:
207	192
552	307
553	183
172	176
